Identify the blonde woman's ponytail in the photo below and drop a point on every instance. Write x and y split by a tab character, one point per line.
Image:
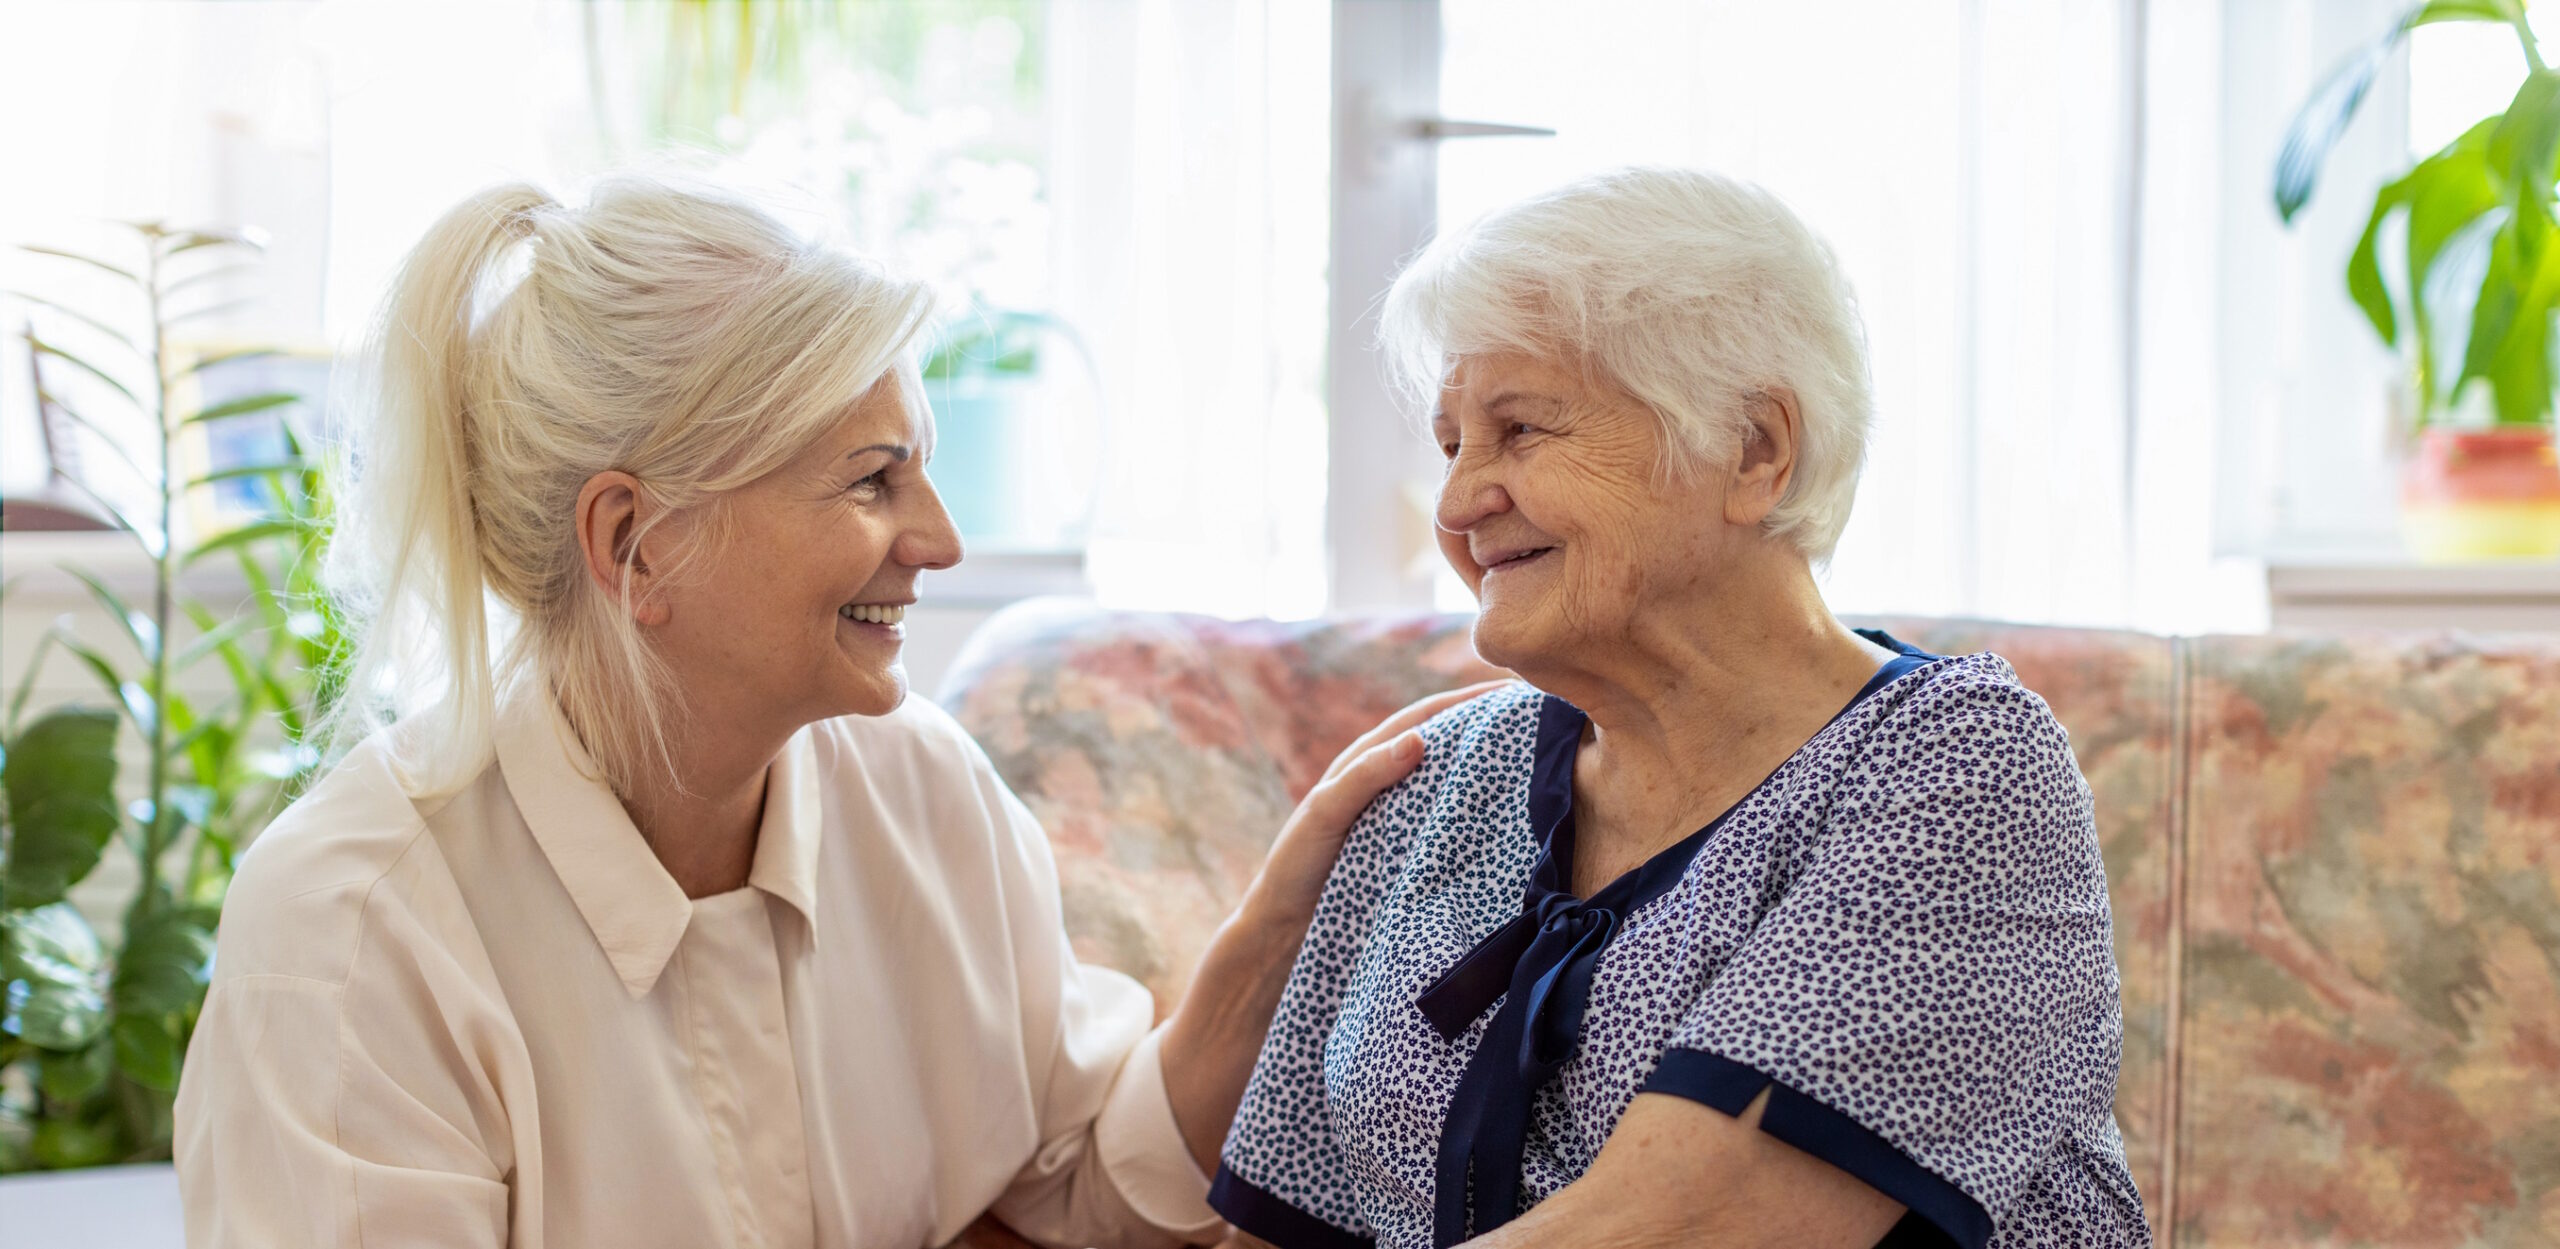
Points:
416	531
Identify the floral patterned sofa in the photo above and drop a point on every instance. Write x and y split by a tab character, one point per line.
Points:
2335	866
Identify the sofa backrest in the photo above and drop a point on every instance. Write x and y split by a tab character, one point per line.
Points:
2335	867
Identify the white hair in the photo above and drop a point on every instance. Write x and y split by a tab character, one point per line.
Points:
1693	292
674	331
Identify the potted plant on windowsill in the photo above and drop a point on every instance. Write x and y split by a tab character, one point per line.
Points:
1004	461
979	379
2477	282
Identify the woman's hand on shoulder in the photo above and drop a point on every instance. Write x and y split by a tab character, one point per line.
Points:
1217	1029
1284	895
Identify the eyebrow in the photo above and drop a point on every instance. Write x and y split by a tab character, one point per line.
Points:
1514	398
896	451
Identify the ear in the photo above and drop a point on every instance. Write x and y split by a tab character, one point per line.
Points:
1767	462
612	506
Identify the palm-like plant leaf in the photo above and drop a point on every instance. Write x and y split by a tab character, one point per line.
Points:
255	531
90	320
138	627
93	262
216	274
113	444
2324	117
243	406
219	359
190	240
50	349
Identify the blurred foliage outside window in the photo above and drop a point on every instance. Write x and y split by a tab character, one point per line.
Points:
926	125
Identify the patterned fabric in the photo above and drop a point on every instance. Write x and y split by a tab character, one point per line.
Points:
1780	940
1163	752
2115	693
2372	943
2337	840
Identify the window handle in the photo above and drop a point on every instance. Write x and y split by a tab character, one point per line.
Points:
1435	129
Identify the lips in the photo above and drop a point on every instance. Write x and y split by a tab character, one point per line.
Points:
1497	561
874	613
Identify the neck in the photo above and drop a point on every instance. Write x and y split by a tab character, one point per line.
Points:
701	817
1702	700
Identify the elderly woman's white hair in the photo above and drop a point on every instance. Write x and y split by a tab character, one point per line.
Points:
676	332
1693	292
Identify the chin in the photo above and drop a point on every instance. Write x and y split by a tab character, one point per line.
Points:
882	694
1506	639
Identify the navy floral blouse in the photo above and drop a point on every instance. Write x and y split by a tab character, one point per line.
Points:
1902	935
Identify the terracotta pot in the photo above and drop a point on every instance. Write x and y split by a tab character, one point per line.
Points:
2482	494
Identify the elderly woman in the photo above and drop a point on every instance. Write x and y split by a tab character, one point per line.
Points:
1733	926
663	916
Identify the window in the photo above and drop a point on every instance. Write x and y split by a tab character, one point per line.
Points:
2460	72
2109	382
1123	206
2313	410
2003	183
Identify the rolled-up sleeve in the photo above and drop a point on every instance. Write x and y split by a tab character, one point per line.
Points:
1143	1150
1935	1002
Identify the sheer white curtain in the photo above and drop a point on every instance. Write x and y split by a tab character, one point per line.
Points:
1185	188
2026	197
1189	197
1184	193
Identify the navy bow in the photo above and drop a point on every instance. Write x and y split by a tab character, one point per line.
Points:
1540	964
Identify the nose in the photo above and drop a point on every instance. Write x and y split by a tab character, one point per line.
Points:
1469	495
932	543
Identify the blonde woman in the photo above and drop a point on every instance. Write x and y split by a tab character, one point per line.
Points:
659	913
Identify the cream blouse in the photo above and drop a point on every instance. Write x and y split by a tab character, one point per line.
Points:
494	1019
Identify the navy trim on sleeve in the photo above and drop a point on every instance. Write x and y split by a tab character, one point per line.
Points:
1720	1083
1283	1225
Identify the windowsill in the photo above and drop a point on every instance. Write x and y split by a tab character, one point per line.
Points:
995	578
2386	592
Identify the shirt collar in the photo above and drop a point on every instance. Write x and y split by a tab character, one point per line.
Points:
786	863
1559	743
635	909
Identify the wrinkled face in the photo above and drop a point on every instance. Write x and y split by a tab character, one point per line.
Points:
800	611
1556	512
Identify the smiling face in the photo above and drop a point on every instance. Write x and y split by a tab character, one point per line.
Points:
797	613
1556	512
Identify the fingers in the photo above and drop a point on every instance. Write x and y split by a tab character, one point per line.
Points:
1413	714
1303	854
1339	798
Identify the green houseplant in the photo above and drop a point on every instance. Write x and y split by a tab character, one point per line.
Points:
94	1027
2478	269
